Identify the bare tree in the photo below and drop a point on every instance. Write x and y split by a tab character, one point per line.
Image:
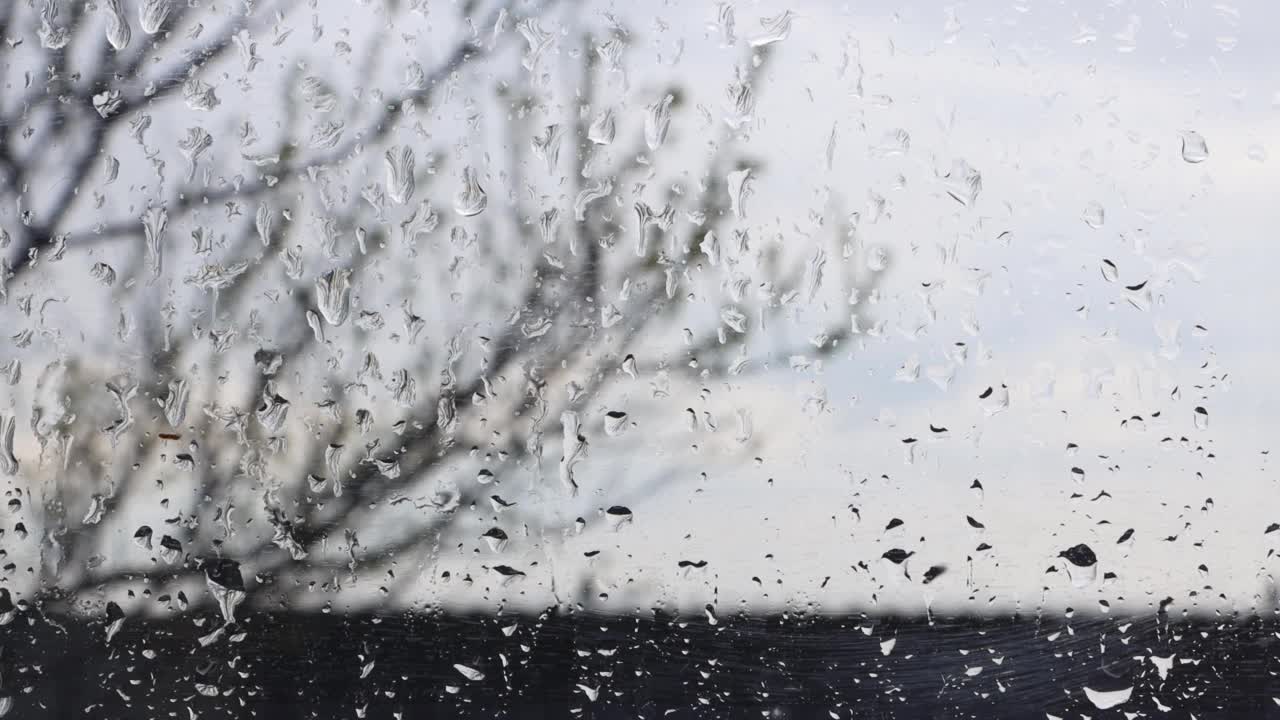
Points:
284	327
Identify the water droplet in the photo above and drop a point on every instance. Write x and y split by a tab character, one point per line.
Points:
546	147
994	400
326	134
739	185
399	161
603	128
152	14
316	93
775	29
538	41
226	584
893	142
175	402
1201	418
594	190
272	410
154	222
118	32
1194	147
97	508
415	77
657	120
471	200
877	259
115	620
107	102
963	183
200	95
615	422
8	461
1163	665
1094	215
647	217
575	448
1082	564
743	104
170	549
496	538
618	515
933	573
1139	296
103	273
507	572
468	672
723	24
897	560
1110	272
897	556
1079	555
610	315
333	295
1106	699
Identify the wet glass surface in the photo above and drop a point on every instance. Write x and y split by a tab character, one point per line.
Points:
552	358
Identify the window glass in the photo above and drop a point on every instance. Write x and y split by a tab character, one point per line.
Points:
574	358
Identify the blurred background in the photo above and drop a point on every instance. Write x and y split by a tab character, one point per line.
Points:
846	312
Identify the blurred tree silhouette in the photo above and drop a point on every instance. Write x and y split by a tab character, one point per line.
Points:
223	376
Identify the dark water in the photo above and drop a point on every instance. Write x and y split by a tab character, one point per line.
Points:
310	666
